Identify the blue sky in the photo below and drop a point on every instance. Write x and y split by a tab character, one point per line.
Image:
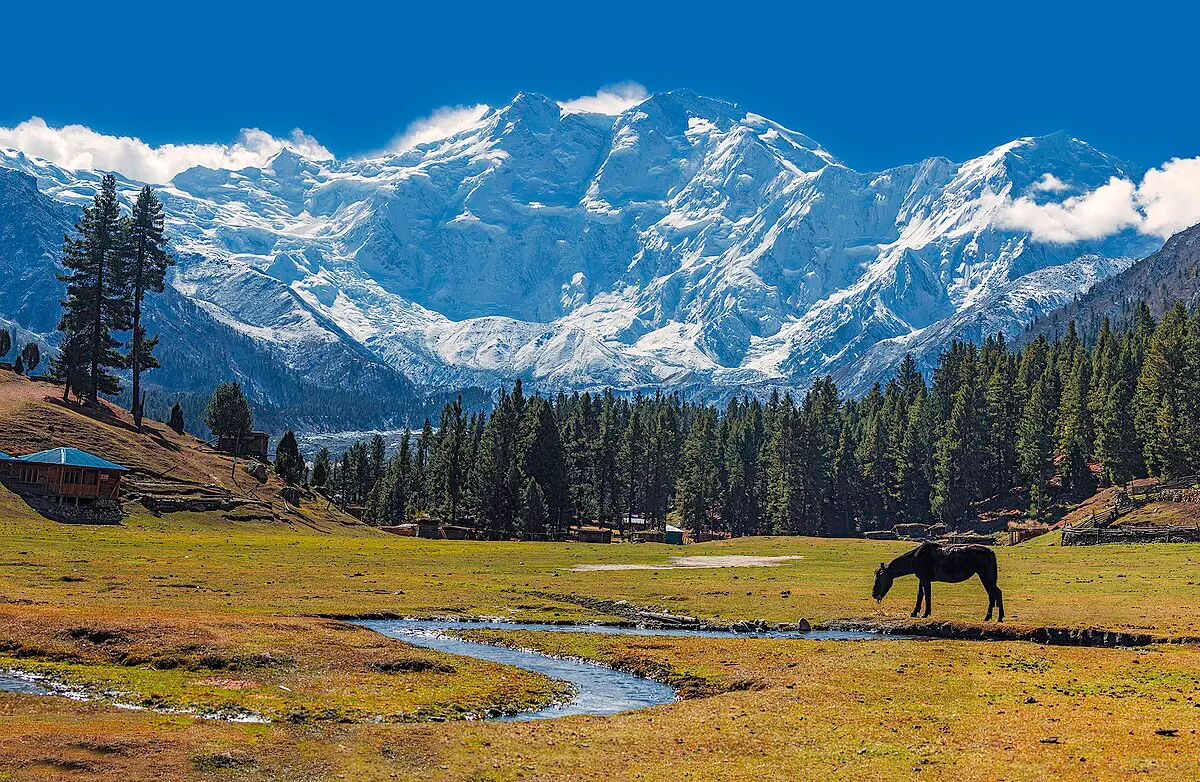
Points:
877	85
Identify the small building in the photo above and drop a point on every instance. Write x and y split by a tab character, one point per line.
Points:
65	475
648	536
457	532
253	445
673	535
593	534
918	531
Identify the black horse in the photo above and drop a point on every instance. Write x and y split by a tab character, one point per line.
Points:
931	562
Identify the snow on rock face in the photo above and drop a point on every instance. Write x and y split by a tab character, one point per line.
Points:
682	241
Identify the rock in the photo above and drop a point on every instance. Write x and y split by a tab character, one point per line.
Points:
257	470
290	495
803	626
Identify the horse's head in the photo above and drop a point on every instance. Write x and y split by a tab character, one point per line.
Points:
883	582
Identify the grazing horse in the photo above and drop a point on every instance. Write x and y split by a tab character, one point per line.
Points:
931	562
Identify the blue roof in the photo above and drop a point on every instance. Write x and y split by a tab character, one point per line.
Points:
72	457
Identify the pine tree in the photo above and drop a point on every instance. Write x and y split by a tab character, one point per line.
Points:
146	261
289	464
97	302
449	463
32	355
542	459
228	413
633	458
608	456
1034	449
661	462
495	480
321	468
6	343
951	492
1159	395
697	488
71	366
1075	436
533	509
176	420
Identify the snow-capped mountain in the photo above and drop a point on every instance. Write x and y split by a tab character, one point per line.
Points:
683	242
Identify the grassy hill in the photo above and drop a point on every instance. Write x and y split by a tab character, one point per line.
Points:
167	470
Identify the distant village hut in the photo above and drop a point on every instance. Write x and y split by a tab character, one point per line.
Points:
67	475
253	445
673	535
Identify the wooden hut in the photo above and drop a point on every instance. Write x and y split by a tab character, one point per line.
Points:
253	445
593	535
65	475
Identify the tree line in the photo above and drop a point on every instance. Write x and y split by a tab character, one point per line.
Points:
109	265
1032	424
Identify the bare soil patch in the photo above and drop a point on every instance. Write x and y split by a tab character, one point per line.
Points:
714	561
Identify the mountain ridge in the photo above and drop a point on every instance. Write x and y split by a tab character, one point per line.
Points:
684	242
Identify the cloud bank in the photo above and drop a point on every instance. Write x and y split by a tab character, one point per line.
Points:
446	121
442	123
80	147
608	100
1165	202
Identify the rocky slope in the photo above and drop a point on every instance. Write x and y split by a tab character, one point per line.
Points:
1172	274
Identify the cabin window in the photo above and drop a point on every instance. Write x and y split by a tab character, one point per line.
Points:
73	477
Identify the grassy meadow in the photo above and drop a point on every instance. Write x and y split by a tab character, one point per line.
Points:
187	614
165	619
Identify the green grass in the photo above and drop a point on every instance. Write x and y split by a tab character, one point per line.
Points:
201	614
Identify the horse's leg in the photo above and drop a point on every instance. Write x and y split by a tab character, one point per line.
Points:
928	598
920	594
995	597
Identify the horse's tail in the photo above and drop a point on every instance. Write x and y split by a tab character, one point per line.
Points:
992	565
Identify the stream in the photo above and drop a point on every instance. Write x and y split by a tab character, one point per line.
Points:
599	690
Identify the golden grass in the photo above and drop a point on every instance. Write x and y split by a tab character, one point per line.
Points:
193	611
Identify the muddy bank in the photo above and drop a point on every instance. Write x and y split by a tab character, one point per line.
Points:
961	631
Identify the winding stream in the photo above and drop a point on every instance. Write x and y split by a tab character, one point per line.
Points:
599	691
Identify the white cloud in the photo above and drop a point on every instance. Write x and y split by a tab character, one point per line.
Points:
80	147
1170	197
1050	184
608	100
1106	210
442	123
1166	201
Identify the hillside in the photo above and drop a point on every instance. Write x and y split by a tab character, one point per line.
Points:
170	474
1160	279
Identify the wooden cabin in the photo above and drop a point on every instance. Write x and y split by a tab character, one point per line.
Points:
592	534
65	475
253	445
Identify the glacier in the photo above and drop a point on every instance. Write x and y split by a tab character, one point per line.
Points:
684	242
